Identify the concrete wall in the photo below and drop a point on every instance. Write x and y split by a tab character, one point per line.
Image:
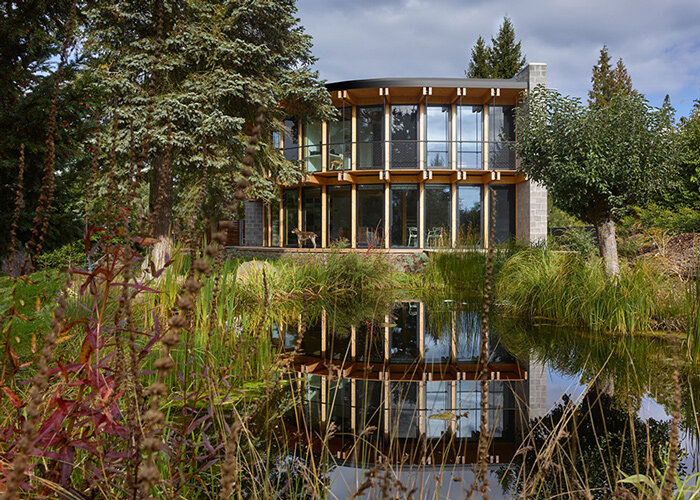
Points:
253	223
531	198
537	389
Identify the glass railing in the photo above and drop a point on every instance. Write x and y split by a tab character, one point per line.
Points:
404	155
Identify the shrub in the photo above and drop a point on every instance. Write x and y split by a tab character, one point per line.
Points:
73	252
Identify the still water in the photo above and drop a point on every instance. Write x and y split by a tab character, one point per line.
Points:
392	403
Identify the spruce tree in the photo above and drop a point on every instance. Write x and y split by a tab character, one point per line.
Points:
502	59
608	81
211	64
479	66
505	57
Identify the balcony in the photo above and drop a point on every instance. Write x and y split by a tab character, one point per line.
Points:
405	155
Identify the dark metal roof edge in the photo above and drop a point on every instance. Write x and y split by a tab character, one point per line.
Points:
481	83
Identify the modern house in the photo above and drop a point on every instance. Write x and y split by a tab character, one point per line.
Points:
410	164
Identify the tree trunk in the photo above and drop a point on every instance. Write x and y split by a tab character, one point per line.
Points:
161	186
607	244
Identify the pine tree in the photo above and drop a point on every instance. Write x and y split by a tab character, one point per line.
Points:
219	60
506	57
608	81
479	64
502	59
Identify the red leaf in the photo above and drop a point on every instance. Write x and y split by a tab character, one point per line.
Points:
85	351
14	398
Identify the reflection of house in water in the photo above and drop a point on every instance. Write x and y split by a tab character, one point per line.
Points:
408	384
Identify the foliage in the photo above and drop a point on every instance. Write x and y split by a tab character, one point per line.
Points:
63	256
214	64
567	289
607	81
590	442
686	191
680	219
595	162
650	486
31	35
502	59
577	239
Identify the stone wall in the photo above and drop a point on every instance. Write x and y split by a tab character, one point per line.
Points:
253	234
531	198
537	389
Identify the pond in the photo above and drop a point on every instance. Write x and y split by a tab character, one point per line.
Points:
392	404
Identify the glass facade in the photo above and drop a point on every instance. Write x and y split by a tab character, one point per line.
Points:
470	137
370	137
404	334
501	137
370	216
339	214
469	215
291	140
438	215
311	213
437	136
404	215
275	223
290	198
404	136
312	147
502	219
340	141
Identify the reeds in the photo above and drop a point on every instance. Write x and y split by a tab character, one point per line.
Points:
565	288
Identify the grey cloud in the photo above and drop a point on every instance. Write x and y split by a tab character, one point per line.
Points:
659	41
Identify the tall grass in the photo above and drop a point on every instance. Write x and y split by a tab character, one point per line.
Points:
566	288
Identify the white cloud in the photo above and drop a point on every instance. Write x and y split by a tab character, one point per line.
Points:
658	41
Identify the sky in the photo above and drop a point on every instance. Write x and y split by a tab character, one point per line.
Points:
659	41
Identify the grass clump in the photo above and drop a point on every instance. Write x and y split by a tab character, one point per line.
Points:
566	288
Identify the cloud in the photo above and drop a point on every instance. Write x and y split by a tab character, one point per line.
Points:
658	41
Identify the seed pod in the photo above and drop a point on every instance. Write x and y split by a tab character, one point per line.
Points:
201	265
220	237
251	150
170	339
253	140
153	417
177	321
152	444
239	195
193	285
247	160
211	250
256	130
246	171
185	302
243	183
158	389
164	363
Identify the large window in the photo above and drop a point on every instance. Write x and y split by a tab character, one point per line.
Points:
437	147
370	215
469	215
404	136
501	137
403	337
274	208
290	197
438	401
370	137
340	141
469	137
291	140
312	146
502	218
438	214
404	215
311	213
339	213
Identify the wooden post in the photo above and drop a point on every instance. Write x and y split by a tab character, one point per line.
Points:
324	333
353	147
387	194
324	216
453	202
422	120
282	220
353	215
485	211
485	121
421	215
324	146
421	332
453	136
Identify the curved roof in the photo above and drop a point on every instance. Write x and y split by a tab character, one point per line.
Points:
479	83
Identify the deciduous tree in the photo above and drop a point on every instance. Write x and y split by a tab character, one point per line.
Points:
596	161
